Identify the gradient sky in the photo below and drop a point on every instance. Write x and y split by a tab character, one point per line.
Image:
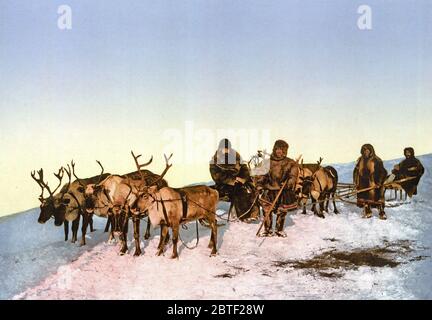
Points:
131	72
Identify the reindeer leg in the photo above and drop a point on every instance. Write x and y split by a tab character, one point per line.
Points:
108	223
147	233
164	231
75	226
136	222
91	223
211	220
66	229
84	227
326	203
214	236
167	237
335	210
318	213
175	230
123	236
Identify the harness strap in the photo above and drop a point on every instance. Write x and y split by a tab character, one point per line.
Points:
319	182
76	200
164	212
183	198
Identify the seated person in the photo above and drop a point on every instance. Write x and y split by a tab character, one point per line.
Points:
410	167
232	180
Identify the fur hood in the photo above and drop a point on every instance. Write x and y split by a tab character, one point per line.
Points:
410	149
280	144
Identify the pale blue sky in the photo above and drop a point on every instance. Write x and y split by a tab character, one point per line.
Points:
129	70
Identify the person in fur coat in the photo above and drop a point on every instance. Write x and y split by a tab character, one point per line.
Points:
281	169
410	167
369	173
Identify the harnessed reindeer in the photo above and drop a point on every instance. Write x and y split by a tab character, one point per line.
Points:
113	197
82	201
171	207
319	183
56	205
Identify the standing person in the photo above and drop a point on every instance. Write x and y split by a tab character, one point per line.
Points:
369	173
282	169
410	167
232	180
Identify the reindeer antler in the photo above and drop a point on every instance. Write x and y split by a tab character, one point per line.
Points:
320	160
44	185
39	181
139	166
59	176
167	166
102	172
74	174
69	174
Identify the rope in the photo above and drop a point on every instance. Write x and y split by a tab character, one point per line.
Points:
239	217
197	238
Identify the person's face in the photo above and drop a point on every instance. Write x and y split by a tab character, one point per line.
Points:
367	153
279	152
225	150
408	154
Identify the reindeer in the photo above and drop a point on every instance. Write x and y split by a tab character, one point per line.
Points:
55	205
78	205
170	207
319	183
304	178
113	197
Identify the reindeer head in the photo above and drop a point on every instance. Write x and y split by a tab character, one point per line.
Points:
304	182
55	204
91	192
146	192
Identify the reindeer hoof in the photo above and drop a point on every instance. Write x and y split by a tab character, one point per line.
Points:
93	230
82	244
137	253
146	236
336	212
159	252
174	256
213	253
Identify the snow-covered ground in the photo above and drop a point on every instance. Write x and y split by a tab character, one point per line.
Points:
340	257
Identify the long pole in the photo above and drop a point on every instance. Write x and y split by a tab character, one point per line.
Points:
272	205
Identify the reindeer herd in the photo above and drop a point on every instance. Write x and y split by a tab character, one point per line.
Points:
120	197
143	193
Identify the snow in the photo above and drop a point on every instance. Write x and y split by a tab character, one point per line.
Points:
36	263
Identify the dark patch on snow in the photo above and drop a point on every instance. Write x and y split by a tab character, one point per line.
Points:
330	274
225	275
331	239
237	270
419	258
332	263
